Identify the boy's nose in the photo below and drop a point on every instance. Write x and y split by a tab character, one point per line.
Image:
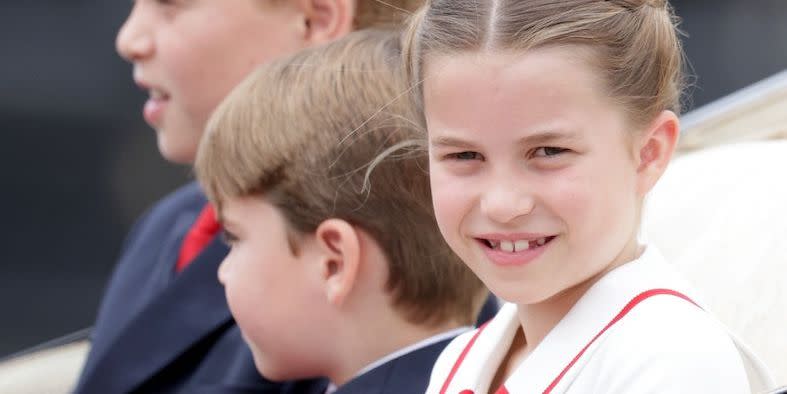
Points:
504	204
223	272
134	42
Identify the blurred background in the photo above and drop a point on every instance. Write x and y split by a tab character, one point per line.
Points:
78	164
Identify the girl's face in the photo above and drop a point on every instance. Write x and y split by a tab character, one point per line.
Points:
188	54
534	170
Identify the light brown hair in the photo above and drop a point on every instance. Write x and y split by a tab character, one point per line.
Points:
379	13
635	43
302	132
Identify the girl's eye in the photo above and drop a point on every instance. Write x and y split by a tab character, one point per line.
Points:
467	155
548	151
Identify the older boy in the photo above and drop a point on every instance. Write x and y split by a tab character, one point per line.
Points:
163	325
336	267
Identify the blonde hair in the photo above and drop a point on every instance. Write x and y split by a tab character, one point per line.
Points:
379	13
303	131
635	42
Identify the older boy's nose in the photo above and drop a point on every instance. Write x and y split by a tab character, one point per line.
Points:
133	41
504	204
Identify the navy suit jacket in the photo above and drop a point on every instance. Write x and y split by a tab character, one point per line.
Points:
158	331
407	374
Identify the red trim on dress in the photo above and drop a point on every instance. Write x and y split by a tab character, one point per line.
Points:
623	312
460	360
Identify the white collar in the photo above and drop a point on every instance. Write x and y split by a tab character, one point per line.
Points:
405	350
593	310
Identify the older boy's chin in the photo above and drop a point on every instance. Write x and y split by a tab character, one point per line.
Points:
174	149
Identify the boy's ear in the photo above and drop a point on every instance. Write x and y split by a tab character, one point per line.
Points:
340	255
327	20
655	148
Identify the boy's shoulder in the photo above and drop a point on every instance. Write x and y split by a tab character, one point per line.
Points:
407	373
181	205
188	197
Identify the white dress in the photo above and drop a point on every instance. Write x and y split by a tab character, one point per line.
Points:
637	330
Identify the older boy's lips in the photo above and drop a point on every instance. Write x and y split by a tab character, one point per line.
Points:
153	111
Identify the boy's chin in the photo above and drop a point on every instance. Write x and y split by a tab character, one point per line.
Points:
281	372
271	371
176	150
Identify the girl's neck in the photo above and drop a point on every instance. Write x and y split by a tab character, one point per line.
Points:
537	320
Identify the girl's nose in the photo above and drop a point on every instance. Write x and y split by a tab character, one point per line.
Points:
504	204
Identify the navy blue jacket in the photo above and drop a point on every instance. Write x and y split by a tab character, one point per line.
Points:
407	374
158	331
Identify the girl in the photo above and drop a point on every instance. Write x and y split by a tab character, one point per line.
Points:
548	123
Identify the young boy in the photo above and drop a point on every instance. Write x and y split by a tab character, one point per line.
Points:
163	324
336	267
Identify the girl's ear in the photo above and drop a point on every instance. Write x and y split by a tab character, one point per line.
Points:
327	20
655	148
339	246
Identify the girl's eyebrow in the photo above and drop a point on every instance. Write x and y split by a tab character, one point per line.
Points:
451	142
547	137
539	138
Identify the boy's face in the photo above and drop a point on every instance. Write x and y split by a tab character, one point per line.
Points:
534	177
188	54
274	295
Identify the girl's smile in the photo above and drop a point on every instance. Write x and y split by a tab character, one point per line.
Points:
514	249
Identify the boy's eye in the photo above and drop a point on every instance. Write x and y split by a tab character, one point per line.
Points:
168	3
228	237
547	151
467	155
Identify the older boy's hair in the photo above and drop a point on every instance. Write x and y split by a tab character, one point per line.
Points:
378	13
302	132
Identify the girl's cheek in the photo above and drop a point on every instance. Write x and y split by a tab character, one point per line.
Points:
452	194
447	191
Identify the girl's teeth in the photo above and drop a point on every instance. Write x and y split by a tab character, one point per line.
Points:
507	246
516	246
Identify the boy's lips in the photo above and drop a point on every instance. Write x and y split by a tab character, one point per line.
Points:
153	110
514	249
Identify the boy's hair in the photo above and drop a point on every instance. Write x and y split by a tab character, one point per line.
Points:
302	132
634	42
377	13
